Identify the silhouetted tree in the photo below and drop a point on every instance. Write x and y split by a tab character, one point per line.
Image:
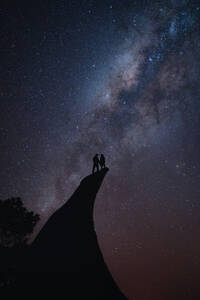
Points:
16	226
16	222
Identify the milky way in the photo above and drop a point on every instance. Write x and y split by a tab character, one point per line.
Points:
119	78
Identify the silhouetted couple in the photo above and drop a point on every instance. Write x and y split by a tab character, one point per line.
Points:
98	162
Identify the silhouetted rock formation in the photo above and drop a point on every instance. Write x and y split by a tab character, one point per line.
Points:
68	245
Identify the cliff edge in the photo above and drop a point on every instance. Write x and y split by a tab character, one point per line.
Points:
66	255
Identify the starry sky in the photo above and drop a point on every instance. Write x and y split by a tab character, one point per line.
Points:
119	78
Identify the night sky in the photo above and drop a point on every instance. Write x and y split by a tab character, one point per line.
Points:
120	78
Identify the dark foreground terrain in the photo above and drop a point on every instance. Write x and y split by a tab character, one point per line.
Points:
65	258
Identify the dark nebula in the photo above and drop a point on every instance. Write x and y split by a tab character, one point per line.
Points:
119	78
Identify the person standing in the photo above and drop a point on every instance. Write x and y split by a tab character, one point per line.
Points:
102	161
95	164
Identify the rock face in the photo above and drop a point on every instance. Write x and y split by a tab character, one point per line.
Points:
66	257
